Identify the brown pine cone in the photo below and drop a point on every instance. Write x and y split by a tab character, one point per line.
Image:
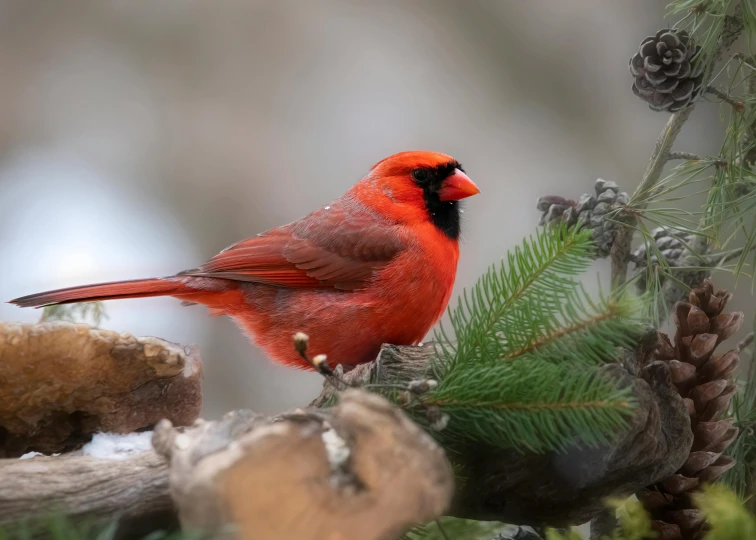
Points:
704	380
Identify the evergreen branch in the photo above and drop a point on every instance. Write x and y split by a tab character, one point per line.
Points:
745	62
518	375
743	449
537	279
749	21
581	332
534	309
531	406
521	406
644	193
733	196
717	260
578	326
732	27
724	30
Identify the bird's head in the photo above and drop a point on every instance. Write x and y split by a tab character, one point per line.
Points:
422	185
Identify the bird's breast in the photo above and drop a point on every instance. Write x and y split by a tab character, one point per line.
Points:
415	288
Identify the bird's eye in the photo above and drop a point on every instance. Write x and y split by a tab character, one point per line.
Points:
420	175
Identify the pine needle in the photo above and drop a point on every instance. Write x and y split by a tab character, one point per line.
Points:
743	449
532	406
523	371
533	305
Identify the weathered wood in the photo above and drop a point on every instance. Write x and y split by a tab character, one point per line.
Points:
135	488
395	364
62	382
361	469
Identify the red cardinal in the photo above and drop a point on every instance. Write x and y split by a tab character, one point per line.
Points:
375	266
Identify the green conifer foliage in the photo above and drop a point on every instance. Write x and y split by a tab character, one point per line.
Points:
523	368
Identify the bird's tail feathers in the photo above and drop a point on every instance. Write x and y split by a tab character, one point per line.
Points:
136	288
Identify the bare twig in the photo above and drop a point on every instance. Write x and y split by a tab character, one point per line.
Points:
686	156
411	390
737	105
319	363
690	156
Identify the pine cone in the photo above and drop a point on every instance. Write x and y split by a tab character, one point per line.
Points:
672	246
704	381
590	210
666	72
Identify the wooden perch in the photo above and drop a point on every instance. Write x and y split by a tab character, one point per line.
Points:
62	382
134	489
558	489
358	470
392	469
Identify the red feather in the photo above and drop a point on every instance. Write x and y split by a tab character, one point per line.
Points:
339	246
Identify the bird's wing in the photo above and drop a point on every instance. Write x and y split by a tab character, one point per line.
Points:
339	246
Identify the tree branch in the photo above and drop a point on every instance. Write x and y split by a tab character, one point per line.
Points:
135	489
560	488
620	254
685	156
689	156
737	105
360	469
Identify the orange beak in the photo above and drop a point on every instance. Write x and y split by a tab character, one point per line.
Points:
457	186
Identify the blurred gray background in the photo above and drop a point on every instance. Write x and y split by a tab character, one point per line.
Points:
138	139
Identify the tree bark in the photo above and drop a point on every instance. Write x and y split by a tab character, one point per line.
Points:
62	382
134	489
360	469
